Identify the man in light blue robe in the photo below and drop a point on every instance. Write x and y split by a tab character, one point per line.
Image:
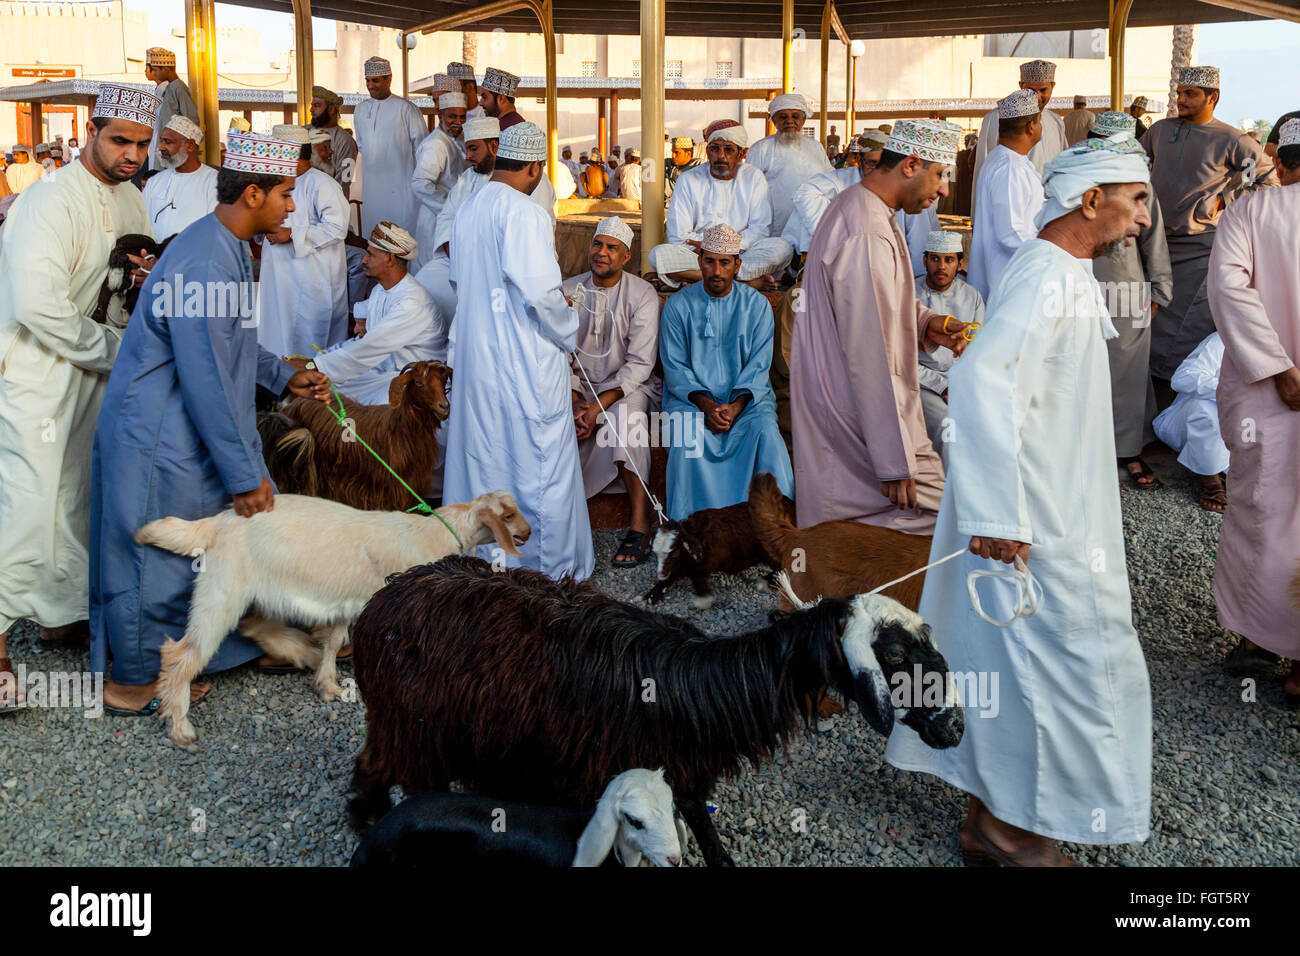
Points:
177	432
715	343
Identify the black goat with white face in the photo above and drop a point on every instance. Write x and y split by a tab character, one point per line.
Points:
540	690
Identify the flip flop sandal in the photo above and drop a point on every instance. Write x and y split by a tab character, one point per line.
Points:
1250	661
1145	472
151	708
630	547
278	669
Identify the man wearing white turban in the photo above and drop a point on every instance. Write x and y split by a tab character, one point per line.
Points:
726	190
439	160
1064	750
787	158
186	189
399	323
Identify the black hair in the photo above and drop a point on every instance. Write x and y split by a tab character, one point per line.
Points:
512	165
1290	157
889	159
1015	125
231	184
304	154
100	122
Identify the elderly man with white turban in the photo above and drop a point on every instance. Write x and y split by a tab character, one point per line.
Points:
511	423
1039	76
1009	192
302	297
57	360
389	129
186	189
724	190
861	451
399	323
439	161
613	372
174	97
1064	753
787	158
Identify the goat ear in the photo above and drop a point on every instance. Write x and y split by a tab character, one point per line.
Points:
598	837
502	534
870	688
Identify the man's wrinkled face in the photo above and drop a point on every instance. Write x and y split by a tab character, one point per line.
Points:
379	87
607	256
1193	101
718	272
940	269
173	149
789	121
375	261
324	151
1120	213
119	149
453	120
1044	91
725	158
928	182
482	154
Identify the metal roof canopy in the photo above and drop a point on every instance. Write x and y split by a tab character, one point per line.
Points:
863	19
626	87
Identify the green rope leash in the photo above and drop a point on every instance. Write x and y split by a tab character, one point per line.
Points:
341	416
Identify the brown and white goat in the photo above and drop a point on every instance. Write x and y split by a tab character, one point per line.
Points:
711	540
532	689
307	560
307	452
835	558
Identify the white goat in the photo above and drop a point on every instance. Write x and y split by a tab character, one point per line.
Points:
635	818
310	561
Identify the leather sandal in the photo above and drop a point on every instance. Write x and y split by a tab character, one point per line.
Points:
987	853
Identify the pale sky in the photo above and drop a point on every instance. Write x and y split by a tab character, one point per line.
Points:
1256	58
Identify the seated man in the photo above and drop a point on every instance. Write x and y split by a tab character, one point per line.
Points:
715	343
618	339
948	294
812	198
595	177
398	324
726	191
787	158
1190	426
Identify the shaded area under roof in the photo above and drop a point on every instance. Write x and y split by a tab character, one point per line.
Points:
864	19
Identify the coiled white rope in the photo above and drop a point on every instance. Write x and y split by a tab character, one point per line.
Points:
1029	593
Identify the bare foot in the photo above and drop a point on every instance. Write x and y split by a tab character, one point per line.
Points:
763	283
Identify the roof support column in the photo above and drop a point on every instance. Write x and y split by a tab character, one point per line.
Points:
826	56
613	119
546	13
652	126
849	78
787	43
1118	21
303	62
201	63
602	126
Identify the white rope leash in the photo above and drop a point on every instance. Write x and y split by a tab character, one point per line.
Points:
1029	593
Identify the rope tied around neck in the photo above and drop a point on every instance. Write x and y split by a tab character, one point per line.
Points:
341	417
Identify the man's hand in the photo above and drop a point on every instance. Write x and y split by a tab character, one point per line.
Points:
901	493
260	499
1288	387
355	241
693	243
952	339
142	264
278	236
359	328
1000	549
585	419
296	361
310	384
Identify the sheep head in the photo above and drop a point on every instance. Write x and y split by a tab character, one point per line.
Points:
636	818
423	386
898	672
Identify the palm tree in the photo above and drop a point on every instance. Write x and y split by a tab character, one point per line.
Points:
1184	37
469	48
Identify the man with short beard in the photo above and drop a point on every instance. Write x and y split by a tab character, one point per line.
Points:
1039	76
726	190
787	158
497	96
186	190
342	165
439	161
180	421
1062	750
56	361
861	451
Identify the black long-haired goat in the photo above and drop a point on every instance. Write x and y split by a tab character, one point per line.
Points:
542	691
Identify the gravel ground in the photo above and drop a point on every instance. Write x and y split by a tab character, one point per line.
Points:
264	783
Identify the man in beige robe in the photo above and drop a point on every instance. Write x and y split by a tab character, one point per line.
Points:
54	364
860	446
613	370
1254	292
1078	121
